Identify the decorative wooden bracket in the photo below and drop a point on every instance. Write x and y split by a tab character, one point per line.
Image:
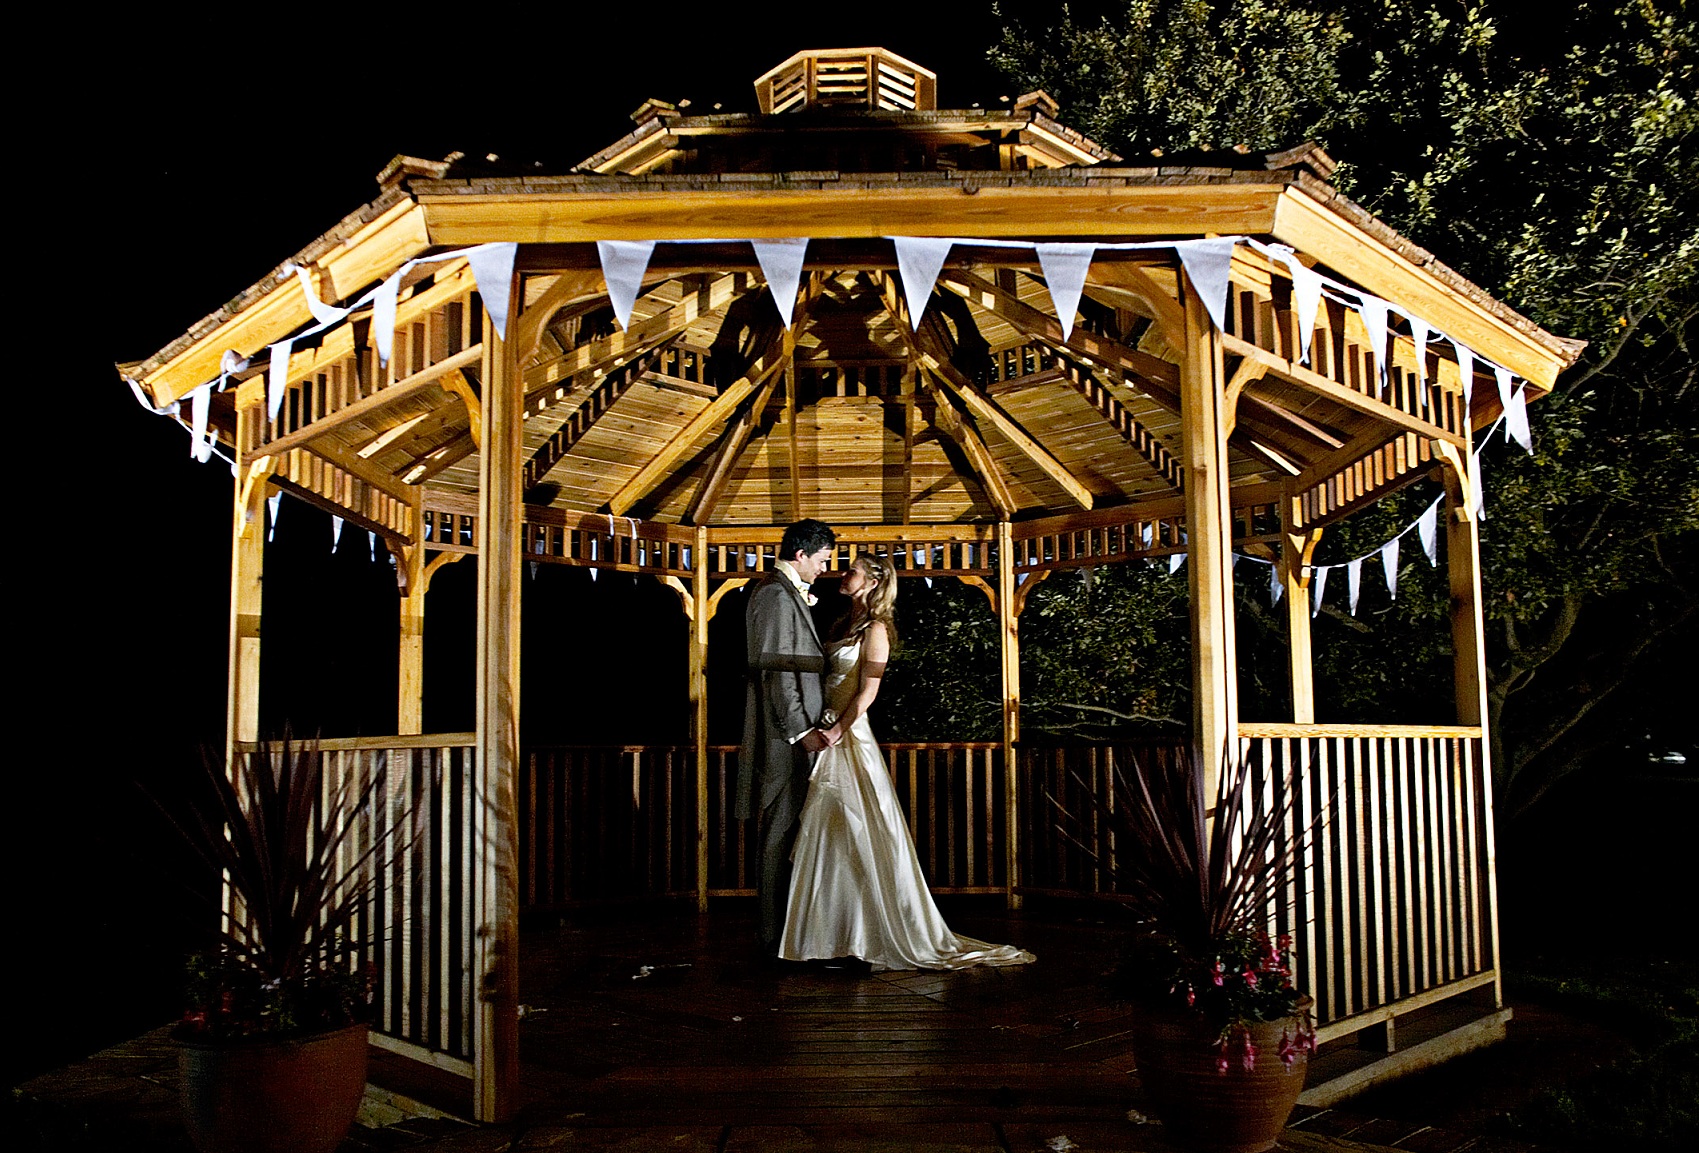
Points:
456	384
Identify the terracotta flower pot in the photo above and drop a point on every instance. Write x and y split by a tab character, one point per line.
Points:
266	1096
1204	1108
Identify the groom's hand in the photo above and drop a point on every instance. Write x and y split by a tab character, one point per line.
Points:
814	740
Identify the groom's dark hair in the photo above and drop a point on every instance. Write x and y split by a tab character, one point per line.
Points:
806	536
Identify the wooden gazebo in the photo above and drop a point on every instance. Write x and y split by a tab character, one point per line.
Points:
594	368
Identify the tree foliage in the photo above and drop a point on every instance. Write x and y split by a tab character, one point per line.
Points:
1550	155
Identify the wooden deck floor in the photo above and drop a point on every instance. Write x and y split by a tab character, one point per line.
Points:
707	1035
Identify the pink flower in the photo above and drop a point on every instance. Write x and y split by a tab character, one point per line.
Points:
1288	1051
1221	1062
1248	1058
1191	996
1250	978
1216	973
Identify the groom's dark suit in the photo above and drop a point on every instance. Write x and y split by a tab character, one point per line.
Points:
782	702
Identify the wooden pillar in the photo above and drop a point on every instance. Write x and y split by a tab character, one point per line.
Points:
247	572
410	683
1009	632
699	617
1296	546
1209	547
1469	658
495	1046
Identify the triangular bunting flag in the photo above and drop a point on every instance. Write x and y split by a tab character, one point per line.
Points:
1276	586
273	503
1354	581
492	268
781	264
533	570
1306	300
1515	404
322	313
1146	534
1426	527
335	532
1466	373
1373	311
383	313
277	377
1477	492
919	261
593	573
928	581
1065	267
372	542
1419	331
1207	264
623	264
1318	587
199	401
1020	578
1175	560
1389	563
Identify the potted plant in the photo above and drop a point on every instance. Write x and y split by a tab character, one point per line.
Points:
273	1039
1222	1035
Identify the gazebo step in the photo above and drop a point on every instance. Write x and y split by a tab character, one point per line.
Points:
1435	1037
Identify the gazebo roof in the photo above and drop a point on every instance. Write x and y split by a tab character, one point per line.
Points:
705	409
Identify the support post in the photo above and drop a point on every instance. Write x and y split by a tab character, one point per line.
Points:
495	1047
1296	546
1469	657
1209	543
410	681
247	572
699	704
1009	632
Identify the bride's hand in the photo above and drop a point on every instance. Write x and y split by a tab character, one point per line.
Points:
832	735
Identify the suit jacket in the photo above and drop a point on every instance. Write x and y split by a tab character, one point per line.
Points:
782	697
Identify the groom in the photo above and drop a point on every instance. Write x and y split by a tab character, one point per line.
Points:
781	714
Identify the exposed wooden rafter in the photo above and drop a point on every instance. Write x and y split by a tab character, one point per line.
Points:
583	418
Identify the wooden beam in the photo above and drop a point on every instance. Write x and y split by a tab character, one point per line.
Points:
641	337
948	421
1290	422
1315	382
495	1031
410	657
1154	452
1135	281
369	405
444	456
247	575
1152	371
770	362
456	384
1244	374
732	444
792	447
985	411
597	404
1296	548
569	286
1010	650
362	470
1209	569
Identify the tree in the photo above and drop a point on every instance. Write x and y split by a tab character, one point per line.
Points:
1550	156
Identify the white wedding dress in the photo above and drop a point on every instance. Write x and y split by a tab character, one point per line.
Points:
856	885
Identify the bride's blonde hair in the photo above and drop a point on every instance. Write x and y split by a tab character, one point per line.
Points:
882	598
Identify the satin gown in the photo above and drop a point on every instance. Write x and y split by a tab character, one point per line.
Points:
857	889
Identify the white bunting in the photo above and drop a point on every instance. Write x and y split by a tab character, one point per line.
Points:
141	399
1426	527
1020	578
1354	581
1373	311
1207	264
1465	373
1175	560
372	543
593	574
1419	331
1389	563
1306	297
623	264
231	361
277	377
323	313
781	263
1477	494
273	503
335	532
492	268
919	261
1318	587
928	581
1515	403
199	401
1147	533
533	570
1276	586
1065	267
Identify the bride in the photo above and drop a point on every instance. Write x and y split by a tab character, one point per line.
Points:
856	885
